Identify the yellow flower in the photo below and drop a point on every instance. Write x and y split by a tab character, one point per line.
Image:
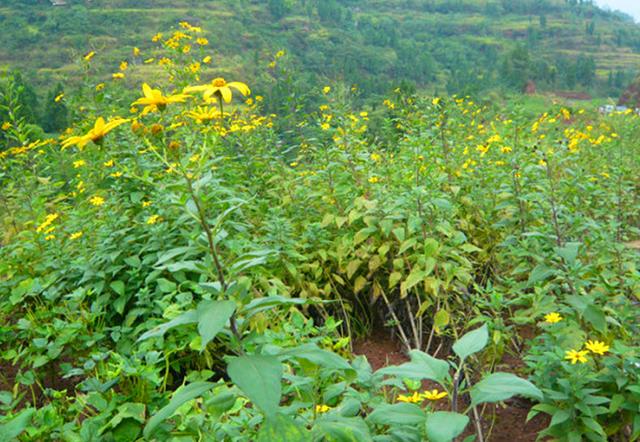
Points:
202	41
552	318
207	59
153	99
280	54
436	101
118	76
75	236
89	56
153	219
146	203
99	87
116	174
414	398
124	66
220	88
576	356
322	408
376	157
326	90
597	347
47	222
203	114
96	200
6	125
156	37
434	395
59	98
374	180
78	164
49	237
109	163
186	49
136	52
96	134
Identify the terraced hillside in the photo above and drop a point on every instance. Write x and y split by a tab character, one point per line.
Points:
461	45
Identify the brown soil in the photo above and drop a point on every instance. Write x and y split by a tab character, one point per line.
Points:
510	419
633	245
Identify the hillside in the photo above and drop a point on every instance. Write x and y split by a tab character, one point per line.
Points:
461	45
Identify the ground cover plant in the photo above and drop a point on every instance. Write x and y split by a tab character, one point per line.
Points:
181	264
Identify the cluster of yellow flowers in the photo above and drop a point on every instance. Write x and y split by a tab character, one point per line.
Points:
595	347
431	395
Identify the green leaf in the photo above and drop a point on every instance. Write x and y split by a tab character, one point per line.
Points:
422	366
17	425
472	342
502	386
331	427
188	317
166	286
539	273
259	377
118	287
569	252
394	278
441	319
317	356
397	414
181	396
415	277
262	304
212	317
444	426
282	428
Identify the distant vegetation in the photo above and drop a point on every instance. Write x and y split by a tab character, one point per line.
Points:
457	46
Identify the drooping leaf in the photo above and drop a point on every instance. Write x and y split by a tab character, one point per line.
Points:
472	342
259	378
212	317
281	427
188	317
181	396
502	386
341	429
397	414
444	426
17	425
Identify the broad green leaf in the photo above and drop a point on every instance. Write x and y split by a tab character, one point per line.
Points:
441	319
17	425
415	277
502	386
181	396
331	427
422	366
317	356
262	304
394	278
397	414
444	426
259	377
212	317
282	428
118	287
569	252
539	273
188	317
472	342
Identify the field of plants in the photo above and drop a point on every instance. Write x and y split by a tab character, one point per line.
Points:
187	266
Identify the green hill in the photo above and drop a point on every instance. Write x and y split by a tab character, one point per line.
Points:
457	45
